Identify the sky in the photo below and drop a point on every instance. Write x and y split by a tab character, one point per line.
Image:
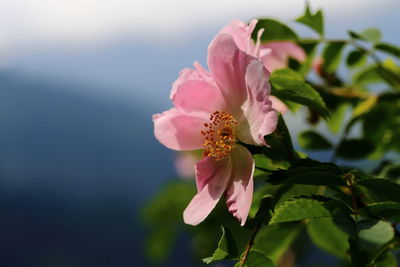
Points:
33	23
119	46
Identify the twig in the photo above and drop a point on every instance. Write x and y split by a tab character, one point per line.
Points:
349	177
250	244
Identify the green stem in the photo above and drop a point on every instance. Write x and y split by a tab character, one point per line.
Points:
349	178
382	250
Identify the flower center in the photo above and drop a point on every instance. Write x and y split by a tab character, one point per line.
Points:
219	134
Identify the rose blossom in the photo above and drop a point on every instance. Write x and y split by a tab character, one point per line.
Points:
214	111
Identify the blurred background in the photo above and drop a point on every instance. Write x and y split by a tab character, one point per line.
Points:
79	81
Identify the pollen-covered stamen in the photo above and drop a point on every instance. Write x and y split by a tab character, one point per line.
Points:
219	134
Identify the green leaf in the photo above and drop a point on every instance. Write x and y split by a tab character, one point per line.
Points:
327	236
281	147
375	233
289	85
332	55
226	248
386	260
314	21
354	35
318	174
365	106
391	172
334	122
310	48
384	210
381	125
354	149
388	48
311	140
274	240
384	189
368	75
371	35
256	258
299	209
274	30
356	58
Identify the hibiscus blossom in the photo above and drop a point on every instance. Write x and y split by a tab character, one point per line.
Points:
217	111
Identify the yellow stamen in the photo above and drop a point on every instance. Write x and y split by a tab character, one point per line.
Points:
219	134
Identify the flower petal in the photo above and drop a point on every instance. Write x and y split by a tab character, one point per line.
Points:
228	66
241	33
215	176
259	118
280	53
198	73
278	105
199	95
180	130
239	194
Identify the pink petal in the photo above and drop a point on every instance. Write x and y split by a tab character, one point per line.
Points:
278	105
228	66
259	118
184	164
214	176
199	95
180	130
198	73
241	33
280	53
240	191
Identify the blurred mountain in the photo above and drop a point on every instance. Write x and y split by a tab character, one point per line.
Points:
74	170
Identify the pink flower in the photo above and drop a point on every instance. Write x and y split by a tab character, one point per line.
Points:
184	164
274	55
213	111
279	55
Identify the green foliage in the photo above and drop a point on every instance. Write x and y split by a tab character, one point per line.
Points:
226	248
316	174
356	58
353	149
375	233
310	49
299	209
281	147
314	21
368	75
388	48
311	140
382	188
332	55
334	122
165	209
369	35
327	236
290	85
349	212
256	258
274	240
274	30
385	210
